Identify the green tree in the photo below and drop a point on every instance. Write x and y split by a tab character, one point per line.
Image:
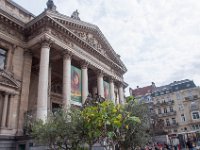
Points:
107	121
138	133
60	130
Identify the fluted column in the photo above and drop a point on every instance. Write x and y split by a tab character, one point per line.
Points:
5	111
42	100
112	90
100	86
67	79
84	69
121	93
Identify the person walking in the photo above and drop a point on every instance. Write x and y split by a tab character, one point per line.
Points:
189	144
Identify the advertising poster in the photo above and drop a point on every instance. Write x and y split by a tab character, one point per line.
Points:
106	90
76	84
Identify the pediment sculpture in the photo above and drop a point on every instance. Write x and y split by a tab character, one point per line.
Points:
7	80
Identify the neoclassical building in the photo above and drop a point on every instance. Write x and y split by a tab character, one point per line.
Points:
50	61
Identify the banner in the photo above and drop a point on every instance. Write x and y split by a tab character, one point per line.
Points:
76	84
106	90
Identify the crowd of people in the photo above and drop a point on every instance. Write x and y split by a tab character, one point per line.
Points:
174	146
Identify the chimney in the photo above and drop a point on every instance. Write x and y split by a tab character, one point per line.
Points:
137	87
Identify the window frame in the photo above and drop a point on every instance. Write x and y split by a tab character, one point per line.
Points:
196	118
5	57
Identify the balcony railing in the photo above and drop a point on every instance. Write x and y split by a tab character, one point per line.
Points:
169	103
173	125
189	98
172	113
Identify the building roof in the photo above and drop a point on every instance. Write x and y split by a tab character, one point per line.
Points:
20	7
142	91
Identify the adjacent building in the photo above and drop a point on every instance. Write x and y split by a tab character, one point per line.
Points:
50	61
175	105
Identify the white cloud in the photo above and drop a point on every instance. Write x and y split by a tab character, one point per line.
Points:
157	39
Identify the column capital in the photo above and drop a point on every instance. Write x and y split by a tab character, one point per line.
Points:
111	79
119	84
67	54
84	64
46	41
100	72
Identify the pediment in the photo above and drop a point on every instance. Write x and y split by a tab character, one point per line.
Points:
85	33
7	80
92	35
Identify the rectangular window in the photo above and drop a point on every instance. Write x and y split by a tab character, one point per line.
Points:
173	121
181	107
171	109
2	58
178	97
167	122
159	111
165	110
183	118
195	115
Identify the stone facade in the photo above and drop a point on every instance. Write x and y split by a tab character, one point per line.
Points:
36	58
174	107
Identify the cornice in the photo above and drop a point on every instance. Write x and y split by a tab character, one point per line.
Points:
12	21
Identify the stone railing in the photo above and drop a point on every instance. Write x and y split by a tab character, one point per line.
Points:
167	114
173	125
189	98
169	103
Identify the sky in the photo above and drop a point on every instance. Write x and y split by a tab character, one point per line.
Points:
158	40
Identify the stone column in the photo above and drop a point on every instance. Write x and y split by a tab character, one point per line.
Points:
42	100
67	79
94	91
121	94
84	69
49	89
100	86
5	111
112	90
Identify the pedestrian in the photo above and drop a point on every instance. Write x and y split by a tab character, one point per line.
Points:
166	146
189	144
175	143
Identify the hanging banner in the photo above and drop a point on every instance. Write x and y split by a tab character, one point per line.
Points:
76	84
106	90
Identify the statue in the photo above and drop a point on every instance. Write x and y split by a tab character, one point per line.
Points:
75	15
50	5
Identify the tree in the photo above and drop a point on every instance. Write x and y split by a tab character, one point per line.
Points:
137	134
122	125
107	121
60	130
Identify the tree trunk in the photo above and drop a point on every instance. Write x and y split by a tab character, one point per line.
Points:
90	147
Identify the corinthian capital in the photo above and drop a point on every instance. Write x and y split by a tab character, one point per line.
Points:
100	72
84	64
46	41
67	54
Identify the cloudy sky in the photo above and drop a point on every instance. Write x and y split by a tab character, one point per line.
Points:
158	40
